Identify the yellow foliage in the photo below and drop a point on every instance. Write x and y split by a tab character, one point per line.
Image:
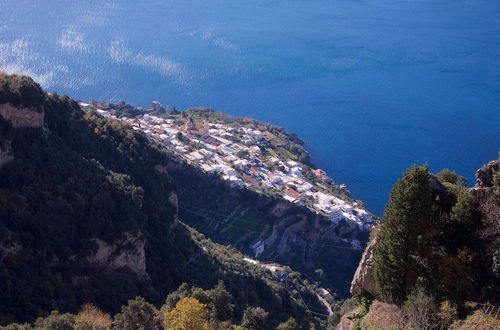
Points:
448	313
92	318
480	321
188	314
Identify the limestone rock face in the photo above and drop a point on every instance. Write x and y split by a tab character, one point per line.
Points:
129	253
484	176
364	277
21	117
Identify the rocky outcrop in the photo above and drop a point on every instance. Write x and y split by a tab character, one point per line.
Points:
347	320
21	117
364	277
5	153
172	198
129	253
484	176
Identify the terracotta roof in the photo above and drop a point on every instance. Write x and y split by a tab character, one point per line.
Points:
292	192
254	170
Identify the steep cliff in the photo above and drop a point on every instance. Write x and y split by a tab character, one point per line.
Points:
269	228
363	278
251	184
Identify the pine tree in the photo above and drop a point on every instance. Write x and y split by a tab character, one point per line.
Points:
408	210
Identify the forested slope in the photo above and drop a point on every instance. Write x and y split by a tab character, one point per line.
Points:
89	214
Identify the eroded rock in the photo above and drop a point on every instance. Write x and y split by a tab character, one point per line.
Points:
129	253
364	278
21	117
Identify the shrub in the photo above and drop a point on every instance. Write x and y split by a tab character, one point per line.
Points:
420	309
289	324
479	321
92	318
448	314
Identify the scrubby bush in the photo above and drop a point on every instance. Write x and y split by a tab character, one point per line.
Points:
56	321
92	318
289	324
420	309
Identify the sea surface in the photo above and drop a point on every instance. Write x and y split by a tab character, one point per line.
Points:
372	86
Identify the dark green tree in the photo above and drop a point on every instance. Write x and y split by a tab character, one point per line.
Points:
254	318
173	298
408	211
220	302
138	314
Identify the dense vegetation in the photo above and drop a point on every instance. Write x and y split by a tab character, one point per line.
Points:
436	256
187	308
80	180
431	235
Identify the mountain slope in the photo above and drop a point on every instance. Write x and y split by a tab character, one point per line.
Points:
88	213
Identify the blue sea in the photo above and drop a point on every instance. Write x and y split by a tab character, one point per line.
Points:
371	86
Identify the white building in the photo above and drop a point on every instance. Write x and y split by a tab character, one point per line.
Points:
336	214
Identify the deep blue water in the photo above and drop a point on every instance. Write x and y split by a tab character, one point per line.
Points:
372	86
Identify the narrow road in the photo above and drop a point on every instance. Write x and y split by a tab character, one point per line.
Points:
325	303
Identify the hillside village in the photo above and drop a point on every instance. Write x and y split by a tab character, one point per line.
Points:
234	153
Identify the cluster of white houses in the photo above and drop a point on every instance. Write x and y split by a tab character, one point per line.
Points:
234	153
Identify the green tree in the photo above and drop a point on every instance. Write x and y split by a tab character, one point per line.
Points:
289	324
446	175
56	321
220	302
138	314
183	291
408	210
254	318
463	210
179	136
